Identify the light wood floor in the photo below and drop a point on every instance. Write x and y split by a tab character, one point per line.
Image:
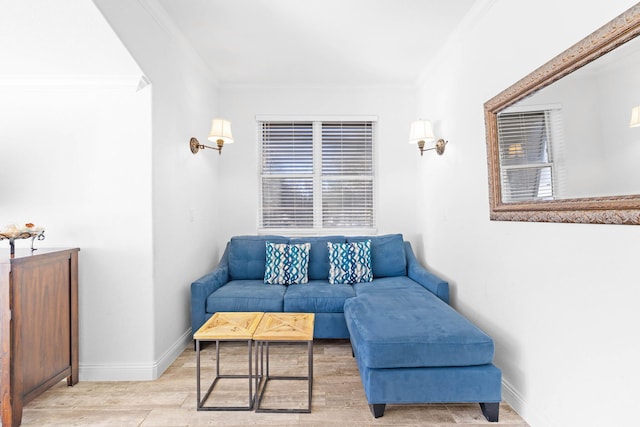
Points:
338	397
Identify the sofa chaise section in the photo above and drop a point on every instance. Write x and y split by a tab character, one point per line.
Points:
413	348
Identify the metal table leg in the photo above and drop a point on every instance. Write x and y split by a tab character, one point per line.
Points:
200	402
262	347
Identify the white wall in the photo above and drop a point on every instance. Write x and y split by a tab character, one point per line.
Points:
560	300
74	143
108	169
395	158
75	161
185	188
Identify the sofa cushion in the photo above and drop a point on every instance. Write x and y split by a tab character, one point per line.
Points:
247	256
388	285
318	297
319	254
350	262
410	330
246	295
387	254
286	264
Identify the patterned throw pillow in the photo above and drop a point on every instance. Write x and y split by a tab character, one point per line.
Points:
286	264
350	262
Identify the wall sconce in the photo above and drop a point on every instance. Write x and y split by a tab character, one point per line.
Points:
220	134
422	131
635	117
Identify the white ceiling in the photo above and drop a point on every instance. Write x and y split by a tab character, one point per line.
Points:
42	39
316	42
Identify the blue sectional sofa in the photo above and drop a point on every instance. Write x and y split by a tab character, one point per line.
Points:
409	344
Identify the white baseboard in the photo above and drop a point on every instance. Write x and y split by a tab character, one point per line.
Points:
135	371
172	353
511	395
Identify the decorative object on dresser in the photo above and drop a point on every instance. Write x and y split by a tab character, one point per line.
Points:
28	231
38	325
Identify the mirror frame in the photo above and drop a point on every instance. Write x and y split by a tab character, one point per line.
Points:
597	210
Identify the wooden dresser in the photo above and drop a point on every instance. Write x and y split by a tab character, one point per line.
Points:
39	325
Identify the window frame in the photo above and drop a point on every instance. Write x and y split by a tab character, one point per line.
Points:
318	229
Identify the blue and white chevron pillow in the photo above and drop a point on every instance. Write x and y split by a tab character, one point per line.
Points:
350	262
287	264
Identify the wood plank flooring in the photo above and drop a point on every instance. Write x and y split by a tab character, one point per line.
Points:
338	397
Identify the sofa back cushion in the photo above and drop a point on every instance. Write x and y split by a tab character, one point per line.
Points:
387	254
319	254
247	256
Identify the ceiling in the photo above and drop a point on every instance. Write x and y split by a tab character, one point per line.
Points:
316	42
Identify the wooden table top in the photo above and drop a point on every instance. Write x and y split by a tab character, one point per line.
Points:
229	326
285	327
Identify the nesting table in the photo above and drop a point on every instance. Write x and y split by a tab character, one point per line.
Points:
226	327
263	329
283	328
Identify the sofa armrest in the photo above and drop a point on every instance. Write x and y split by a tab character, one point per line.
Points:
430	281
205	286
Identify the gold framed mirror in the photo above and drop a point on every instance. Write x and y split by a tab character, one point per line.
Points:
560	143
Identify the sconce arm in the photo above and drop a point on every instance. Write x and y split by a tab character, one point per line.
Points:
439	147
195	146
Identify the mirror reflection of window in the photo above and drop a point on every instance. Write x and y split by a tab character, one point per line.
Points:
526	139
593	171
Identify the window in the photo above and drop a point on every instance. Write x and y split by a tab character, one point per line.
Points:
525	139
316	175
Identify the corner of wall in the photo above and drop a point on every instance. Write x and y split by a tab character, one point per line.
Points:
135	371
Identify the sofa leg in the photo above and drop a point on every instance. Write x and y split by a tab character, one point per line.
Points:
490	411
377	409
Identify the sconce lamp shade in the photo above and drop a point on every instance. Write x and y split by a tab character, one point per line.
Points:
635	117
220	134
220	130
421	130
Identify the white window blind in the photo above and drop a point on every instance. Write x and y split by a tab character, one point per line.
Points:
317	175
287	175
347	175
525	139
